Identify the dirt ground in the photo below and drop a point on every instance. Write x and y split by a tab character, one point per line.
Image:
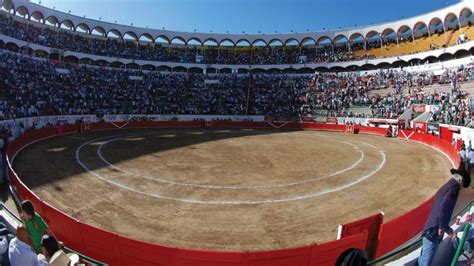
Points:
233	190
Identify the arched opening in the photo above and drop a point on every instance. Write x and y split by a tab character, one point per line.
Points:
178	41
149	67
308	42
210	42
399	63
275	43
324	41
86	61
276	71
257	71
52	21
196	70
2	44
145	38
242	43
373	39
405	34
67	24
305	70
55	56
41	53
98	31
461	54
211	70
22	11
117	64
179	69
194	42
101	63
431	59
12	47
114	34
388	36
161	39
384	65
83	28
321	69
340	40
451	22
227	43
446	57
71	59
420	30
291	42
285	71
414	62
130	36
163	69
243	71
357	41
465	17
436	26
259	43
224	71
26	50
36	16
132	66
337	69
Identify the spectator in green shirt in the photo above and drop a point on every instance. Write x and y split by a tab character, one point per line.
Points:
34	223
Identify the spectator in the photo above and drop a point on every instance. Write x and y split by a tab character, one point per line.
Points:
20	252
53	254
441	211
34	223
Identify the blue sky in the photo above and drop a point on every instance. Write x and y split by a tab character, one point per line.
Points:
251	16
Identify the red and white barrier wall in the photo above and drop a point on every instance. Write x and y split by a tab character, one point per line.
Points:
370	234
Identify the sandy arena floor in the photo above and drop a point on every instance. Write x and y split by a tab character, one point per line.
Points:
230	189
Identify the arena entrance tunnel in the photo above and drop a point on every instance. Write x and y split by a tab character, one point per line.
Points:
370	234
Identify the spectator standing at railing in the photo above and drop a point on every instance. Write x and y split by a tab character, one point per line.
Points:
440	214
34	223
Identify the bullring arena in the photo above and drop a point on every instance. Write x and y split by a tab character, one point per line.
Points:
230	189
151	146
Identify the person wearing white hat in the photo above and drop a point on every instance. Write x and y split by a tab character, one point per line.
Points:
53	255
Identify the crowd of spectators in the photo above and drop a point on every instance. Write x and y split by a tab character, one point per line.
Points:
114	47
35	86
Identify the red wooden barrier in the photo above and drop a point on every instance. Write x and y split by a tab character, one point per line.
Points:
329	252
372	130
134	252
371	225
400	230
296	256
100	244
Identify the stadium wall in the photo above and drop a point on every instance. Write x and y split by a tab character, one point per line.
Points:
370	234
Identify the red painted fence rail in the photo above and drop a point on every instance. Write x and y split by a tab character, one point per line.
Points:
367	234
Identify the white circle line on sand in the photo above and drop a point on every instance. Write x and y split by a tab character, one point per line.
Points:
187	184
242	202
247	202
